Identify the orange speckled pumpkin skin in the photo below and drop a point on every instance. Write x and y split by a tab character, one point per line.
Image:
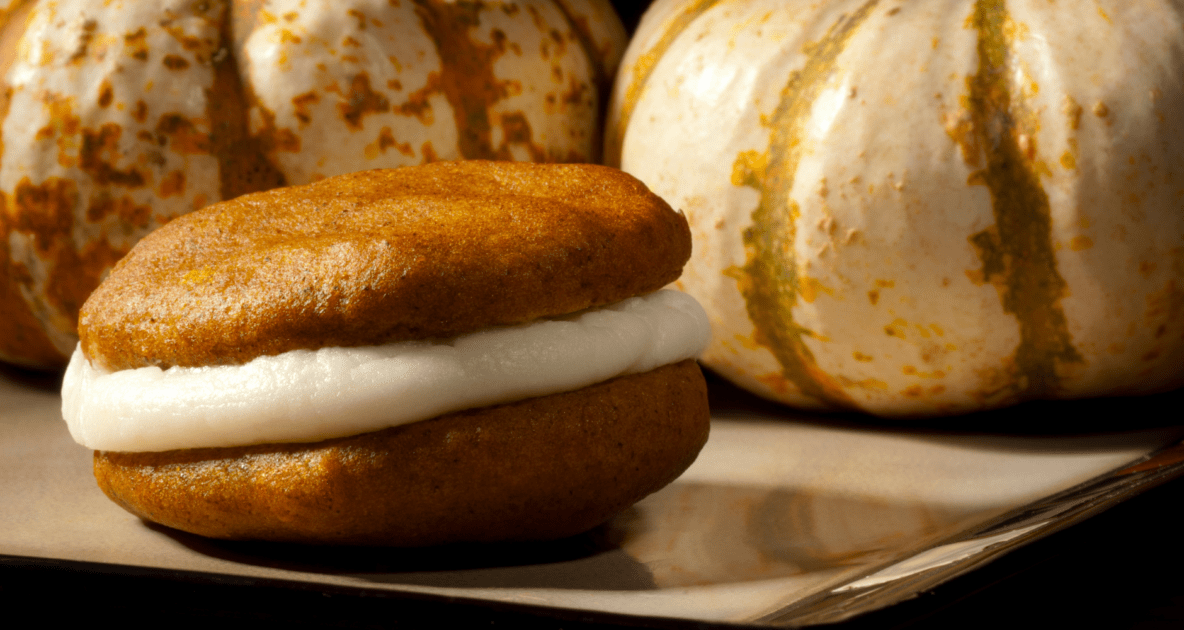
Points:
921	208
117	116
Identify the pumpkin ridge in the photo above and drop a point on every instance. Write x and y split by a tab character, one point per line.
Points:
244	165
1017	252
772	292
643	68
466	73
602	78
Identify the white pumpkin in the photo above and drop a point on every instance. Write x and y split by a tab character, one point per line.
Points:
118	115
922	207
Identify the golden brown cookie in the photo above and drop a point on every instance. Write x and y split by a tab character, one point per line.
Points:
384	256
542	468
381	256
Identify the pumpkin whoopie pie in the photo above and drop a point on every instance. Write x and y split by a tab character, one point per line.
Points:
458	352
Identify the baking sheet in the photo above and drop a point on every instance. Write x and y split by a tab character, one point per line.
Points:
786	518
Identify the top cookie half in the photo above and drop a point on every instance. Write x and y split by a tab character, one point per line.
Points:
381	256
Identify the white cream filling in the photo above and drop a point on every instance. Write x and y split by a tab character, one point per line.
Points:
305	395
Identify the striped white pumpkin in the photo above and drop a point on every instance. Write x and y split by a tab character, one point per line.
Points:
120	114
922	207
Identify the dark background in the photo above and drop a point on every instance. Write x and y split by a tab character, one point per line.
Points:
630	12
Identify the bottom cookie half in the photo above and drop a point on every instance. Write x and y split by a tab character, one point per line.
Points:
537	469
